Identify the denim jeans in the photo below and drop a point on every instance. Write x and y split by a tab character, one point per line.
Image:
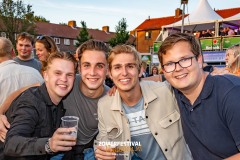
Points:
89	154
57	157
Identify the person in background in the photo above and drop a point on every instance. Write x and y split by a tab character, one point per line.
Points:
35	115
154	71
232	62
209	105
230	32
13	76
233	59
208	33
137	113
238	31
24	48
44	46
143	72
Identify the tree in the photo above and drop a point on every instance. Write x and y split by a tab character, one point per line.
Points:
40	19
83	35
16	17
122	34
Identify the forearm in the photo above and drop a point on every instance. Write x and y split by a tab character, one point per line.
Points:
157	78
6	104
21	146
234	157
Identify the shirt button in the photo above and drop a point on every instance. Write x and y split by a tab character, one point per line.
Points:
166	150
127	139
156	133
170	120
146	116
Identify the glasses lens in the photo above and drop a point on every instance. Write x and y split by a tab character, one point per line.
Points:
169	67
186	62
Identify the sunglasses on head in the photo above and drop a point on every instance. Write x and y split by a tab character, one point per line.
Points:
40	37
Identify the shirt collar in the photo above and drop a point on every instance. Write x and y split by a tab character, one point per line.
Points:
7	62
46	97
205	93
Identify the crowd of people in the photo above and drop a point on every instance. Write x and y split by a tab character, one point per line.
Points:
191	115
227	31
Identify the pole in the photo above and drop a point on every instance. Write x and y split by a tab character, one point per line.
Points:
183	18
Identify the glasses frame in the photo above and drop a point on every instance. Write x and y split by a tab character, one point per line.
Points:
175	63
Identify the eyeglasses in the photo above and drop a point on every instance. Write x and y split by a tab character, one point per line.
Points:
184	63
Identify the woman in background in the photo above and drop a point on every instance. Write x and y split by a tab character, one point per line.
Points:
154	71
44	46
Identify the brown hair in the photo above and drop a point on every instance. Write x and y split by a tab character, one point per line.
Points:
119	49
6	47
92	44
25	35
60	55
48	43
155	68
171	40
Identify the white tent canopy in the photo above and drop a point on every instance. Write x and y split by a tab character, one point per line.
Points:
203	14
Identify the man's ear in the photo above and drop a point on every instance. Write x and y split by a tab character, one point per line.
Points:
109	74
45	76
13	53
79	68
200	60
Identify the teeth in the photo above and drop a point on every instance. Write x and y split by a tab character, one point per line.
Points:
181	76
61	85
124	80
92	79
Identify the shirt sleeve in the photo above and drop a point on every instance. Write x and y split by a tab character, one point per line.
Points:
232	113
19	141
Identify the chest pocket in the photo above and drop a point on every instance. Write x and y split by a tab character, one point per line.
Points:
170	119
171	127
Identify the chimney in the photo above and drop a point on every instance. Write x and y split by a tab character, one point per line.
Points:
72	23
105	28
178	12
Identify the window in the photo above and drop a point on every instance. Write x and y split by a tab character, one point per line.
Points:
148	35
57	40
67	42
3	34
75	42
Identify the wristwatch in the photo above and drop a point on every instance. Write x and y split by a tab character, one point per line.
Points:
47	147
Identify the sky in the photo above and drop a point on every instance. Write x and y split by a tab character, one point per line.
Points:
98	13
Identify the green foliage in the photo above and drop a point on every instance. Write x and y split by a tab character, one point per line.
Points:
40	19
16	17
62	23
83	35
122	34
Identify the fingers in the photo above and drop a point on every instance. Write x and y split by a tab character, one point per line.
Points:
4	124
62	140
5	121
104	153
112	91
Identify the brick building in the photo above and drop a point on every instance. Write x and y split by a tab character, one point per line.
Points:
147	32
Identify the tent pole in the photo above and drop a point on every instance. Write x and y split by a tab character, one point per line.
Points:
184	2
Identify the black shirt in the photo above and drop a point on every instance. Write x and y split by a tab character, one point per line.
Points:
32	124
211	125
